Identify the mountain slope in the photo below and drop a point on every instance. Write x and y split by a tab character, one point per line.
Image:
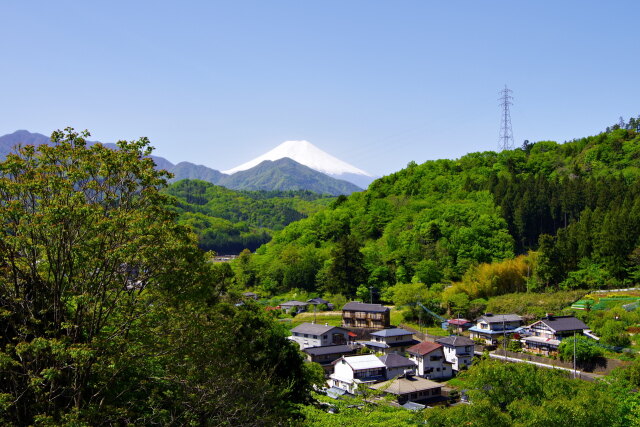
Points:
286	174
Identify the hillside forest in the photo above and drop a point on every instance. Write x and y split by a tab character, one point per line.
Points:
542	217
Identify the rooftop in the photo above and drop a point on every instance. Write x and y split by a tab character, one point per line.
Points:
368	361
455	340
293	303
499	318
402	385
564	323
423	348
313	328
360	306
396	361
393	332
330	349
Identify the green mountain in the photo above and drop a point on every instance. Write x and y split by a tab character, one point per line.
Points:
577	205
228	221
286	174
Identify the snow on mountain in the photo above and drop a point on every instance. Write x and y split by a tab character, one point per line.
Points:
307	154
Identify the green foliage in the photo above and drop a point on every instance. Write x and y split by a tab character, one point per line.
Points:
228	221
110	313
586	349
522	394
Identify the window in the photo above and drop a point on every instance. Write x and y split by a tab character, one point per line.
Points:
324	337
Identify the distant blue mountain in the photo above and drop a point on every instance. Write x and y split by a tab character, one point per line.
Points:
283	174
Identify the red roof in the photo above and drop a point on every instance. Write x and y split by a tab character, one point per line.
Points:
459	322
352	334
424	347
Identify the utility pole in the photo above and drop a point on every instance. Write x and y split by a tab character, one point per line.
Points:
370	294
504	339
574	354
506	132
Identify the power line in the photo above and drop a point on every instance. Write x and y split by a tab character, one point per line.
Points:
505	141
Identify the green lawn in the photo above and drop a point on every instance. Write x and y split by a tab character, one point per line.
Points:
333	318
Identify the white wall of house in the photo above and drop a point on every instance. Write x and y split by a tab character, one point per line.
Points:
394	372
433	365
311	340
458	356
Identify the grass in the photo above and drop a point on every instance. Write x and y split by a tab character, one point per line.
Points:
333	318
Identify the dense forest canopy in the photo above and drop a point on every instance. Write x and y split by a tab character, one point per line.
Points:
228	221
571	209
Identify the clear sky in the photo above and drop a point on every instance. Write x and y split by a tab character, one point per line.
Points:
375	83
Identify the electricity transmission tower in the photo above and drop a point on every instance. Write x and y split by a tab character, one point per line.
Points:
506	132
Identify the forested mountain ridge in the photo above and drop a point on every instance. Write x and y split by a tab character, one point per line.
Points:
228	221
575	203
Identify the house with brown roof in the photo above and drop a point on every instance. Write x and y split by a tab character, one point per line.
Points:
547	333
410	388
429	356
360	315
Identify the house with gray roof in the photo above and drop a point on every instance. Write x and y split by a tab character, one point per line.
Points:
546	334
316	335
360	315
328	354
491	326
458	350
393	340
294	306
397	365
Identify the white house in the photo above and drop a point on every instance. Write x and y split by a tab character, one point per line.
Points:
315	335
394	340
397	365
458	350
429	356
349	372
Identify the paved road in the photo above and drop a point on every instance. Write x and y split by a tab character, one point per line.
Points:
578	374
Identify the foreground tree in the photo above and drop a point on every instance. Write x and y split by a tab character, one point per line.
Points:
109	313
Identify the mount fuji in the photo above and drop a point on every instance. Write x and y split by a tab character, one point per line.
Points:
309	155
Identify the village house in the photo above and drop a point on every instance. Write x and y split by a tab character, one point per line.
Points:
458	350
360	315
294	306
349	372
410	388
458	325
326	355
315	335
547	333
491	326
429	356
393	340
397	365
250	295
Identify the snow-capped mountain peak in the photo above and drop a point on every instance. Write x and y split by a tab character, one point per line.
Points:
306	154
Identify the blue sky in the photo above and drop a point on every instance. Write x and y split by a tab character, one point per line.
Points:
375	83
